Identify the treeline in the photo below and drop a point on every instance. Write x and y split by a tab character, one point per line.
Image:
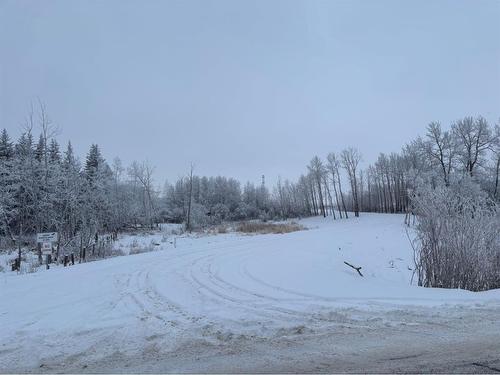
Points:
44	188
336	185
200	201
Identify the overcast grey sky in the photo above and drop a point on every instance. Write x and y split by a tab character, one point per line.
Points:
244	88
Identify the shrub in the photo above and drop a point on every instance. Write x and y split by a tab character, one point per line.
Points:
221	229
142	249
458	237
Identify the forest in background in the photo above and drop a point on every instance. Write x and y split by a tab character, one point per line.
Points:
448	178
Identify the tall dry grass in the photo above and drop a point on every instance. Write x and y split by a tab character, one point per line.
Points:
267	228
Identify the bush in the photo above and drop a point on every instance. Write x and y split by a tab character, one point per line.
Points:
221	229
220	212
458	237
138	248
199	218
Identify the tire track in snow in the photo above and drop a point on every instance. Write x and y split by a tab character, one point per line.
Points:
257	303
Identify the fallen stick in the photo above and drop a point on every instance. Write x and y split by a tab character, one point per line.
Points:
356	268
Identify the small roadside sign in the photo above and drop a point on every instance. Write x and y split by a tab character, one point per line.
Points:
46	237
47	248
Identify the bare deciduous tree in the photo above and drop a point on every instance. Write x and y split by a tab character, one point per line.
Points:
350	161
317	171
190	198
473	138
333	167
143	173
441	148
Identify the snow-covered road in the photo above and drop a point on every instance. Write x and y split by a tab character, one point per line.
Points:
248	303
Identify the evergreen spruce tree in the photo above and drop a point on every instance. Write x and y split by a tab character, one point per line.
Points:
24	147
6	147
40	149
92	163
54	153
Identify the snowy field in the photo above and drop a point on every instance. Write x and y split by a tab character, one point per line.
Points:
249	303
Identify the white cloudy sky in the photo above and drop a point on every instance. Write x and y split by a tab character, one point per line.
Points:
245	88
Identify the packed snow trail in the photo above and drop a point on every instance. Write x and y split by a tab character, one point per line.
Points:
247	303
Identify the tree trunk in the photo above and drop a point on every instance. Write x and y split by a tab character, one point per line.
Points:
342	197
188	225
336	196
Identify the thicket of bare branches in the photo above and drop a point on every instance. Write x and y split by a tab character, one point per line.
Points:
458	237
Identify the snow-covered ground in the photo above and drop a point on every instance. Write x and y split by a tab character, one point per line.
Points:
257	303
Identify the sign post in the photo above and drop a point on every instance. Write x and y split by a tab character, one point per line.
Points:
46	237
46	240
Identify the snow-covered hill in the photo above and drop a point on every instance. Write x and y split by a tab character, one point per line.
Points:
229	302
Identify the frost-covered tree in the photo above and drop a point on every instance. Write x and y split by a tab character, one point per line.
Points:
6	146
318	172
441	149
473	137
333	167
351	158
142	175
495	148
